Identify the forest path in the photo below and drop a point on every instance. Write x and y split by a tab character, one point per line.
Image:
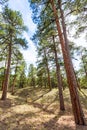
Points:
38	110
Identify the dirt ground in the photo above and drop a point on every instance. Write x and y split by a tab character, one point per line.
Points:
38	110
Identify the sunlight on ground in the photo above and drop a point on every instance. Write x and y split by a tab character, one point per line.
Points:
21	109
38	110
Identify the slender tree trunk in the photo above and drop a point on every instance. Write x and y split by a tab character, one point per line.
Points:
13	85
84	65
33	81
48	72
65	38
63	85
4	75
7	73
41	81
77	81
76	106
45	80
59	80
14	80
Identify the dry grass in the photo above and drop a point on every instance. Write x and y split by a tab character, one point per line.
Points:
38	110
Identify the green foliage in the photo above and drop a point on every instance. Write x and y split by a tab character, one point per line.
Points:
3	1
83	82
32	76
12	26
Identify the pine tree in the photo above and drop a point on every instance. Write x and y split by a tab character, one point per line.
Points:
13	26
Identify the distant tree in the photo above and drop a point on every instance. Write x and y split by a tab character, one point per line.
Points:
41	76
32	75
22	81
58	72
77	109
43	52
84	60
50	13
17	63
12	27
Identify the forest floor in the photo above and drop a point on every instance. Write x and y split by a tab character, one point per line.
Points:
38	109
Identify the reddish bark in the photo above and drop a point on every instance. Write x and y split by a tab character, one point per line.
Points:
14	80
76	106
61	100
48	72
7	72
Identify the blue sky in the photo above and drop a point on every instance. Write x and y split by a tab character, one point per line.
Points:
30	54
23	6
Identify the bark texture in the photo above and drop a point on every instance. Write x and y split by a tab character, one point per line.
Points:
59	81
48	71
76	106
14	80
7	72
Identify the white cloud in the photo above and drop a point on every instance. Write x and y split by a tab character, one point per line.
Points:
81	41
0	8
30	54
23	7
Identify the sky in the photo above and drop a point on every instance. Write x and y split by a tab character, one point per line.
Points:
23	6
30	55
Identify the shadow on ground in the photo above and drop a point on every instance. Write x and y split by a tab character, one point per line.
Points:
38	110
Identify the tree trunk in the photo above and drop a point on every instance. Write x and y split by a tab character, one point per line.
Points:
48	72
76	106
4	75
84	65
65	38
59	80
7	72
14	80
77	81
45	80
13	85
